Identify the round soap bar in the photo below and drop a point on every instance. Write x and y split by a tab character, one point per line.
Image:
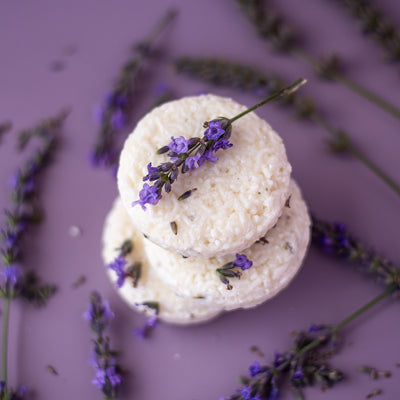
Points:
238	198
172	307
276	259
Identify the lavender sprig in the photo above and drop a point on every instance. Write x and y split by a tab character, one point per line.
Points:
304	364
114	112
108	377
273	27
233	269
375	24
334	238
232	74
24	212
189	154
119	265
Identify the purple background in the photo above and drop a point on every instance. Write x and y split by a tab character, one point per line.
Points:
199	362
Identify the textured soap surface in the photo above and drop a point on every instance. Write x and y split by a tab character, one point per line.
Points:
238	198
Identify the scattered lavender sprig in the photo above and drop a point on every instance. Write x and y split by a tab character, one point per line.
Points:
304	364
108	377
233	269
334	238
375	24
273	27
119	265
189	154
24	212
114	112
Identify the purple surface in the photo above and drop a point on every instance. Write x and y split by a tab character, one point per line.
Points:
200	362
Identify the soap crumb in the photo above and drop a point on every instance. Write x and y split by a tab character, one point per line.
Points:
75	231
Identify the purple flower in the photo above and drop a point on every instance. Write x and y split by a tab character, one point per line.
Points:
150	324
179	145
243	262
118	120
222	143
100	380
118	267
11	274
274	394
148	195
151	171
193	162
298	375
113	376
214	130
208	156
22	391
120	100
99	313
245	391
254	369
326	243
340	227
279	359
10	239
315	328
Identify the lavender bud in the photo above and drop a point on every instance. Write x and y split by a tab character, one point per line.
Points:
187	194
165	167
193	141
174	175
168	187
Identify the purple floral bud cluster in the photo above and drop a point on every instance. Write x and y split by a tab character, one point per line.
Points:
233	269
9	393
113	113
151	323
119	266
334	238
25	208
185	155
302	366
108	377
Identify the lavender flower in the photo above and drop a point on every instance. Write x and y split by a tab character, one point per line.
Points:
150	324
189	154
113	113
148	195
99	314
118	267
11	274
243	262
334	239
214	130
108	377
179	145
255	369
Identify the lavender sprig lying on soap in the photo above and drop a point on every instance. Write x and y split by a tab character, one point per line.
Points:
189	154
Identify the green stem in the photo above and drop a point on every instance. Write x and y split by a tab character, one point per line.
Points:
350	318
352	148
6	318
283	92
366	307
352	85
